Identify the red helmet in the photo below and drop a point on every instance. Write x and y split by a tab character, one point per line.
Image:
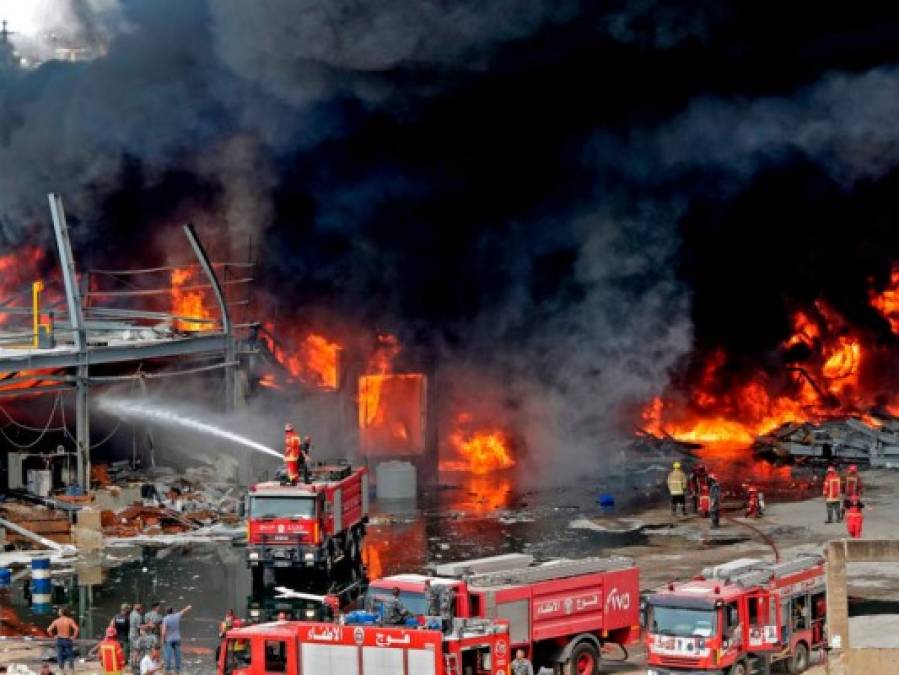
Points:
110	632
853	469
288	427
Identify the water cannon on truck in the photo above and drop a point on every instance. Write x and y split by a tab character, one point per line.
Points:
309	527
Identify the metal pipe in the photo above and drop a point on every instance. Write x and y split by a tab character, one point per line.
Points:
28	534
230	347
164	291
168	268
76	318
36	289
35	390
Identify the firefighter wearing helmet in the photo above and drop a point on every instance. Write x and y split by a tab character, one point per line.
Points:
292	453
852	487
677	488
111	654
833	495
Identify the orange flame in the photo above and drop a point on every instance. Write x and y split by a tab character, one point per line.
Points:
387	349
321	360
843	359
313	359
886	302
269	382
189	302
805	331
17	271
391	411
481	450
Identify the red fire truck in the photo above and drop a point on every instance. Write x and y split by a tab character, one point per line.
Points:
470	647
560	612
313	525
738	618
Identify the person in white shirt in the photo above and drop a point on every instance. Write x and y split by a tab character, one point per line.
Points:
151	664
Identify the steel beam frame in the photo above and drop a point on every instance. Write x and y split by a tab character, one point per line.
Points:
81	356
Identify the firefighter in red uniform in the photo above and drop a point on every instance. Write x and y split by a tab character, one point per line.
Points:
853	483
852	486
833	495
112	656
753	502
699	481
854	517
292	453
704	499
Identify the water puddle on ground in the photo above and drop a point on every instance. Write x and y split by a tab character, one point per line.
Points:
468	517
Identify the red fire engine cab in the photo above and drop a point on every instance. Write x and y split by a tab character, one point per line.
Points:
469	647
308	525
738	618
559	612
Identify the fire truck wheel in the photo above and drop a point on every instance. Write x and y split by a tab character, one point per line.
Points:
799	661
584	659
738	669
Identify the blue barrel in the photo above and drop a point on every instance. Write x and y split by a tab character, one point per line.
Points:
40	568
5	577
41	585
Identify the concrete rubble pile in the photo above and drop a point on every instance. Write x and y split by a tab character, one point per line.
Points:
131	504
175	503
874	440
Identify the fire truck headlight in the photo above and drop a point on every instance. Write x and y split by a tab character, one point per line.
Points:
309	556
254	555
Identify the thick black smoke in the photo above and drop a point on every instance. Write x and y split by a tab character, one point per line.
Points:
562	199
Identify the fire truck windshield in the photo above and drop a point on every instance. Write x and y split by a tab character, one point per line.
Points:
412	601
282	507
681	621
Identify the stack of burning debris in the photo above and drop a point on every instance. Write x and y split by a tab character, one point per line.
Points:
874	439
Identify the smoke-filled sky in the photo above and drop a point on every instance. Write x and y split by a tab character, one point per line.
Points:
567	198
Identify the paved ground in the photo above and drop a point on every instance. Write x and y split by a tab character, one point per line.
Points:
675	548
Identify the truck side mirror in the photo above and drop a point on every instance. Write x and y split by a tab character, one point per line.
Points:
643	614
242	508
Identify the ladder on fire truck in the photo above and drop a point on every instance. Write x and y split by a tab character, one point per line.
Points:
757	572
548	571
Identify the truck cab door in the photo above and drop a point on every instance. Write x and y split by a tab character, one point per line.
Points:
763	622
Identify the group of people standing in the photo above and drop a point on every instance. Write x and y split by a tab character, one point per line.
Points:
132	639
136	632
843	499
842	496
701	486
